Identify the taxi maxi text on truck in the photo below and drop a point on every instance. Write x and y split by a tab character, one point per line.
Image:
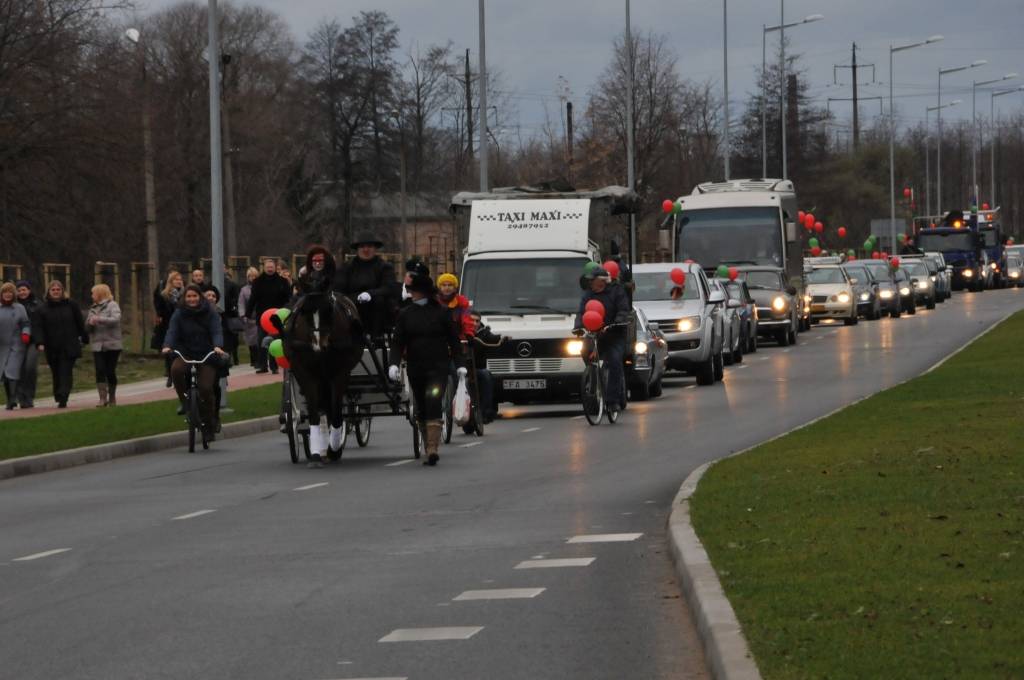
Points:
961	246
744	222
525	252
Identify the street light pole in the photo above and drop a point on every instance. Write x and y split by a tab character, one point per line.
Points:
938	103
484	182
152	235
630	168
216	181
892	136
782	82
974	130
927	152
725	70
992	119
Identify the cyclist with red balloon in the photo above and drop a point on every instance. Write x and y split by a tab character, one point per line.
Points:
605	310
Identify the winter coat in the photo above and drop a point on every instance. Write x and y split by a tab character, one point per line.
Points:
249	332
14	323
105	333
62	328
32	304
426	339
373	276
195	331
458	308
267	292
164	308
616	308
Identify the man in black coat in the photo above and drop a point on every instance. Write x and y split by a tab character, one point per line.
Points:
611	341
269	291
370	282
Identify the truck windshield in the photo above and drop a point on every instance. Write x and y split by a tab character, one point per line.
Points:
731	235
528	286
991	239
659	286
946	241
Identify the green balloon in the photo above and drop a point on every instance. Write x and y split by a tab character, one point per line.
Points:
812	242
722	272
676	208
903	238
851	252
284	313
869	244
590	266
276	348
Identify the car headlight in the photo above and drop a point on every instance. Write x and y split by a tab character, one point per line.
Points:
885	294
994	266
1014	275
934	278
843	297
968	273
864	297
779	303
574	347
640	347
688	323
904	291
807	299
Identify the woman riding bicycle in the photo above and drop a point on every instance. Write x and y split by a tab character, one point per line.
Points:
611	345
195	330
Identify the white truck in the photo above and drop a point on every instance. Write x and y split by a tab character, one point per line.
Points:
524	255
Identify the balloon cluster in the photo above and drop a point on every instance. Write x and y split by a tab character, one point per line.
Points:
670	207
593	315
276	348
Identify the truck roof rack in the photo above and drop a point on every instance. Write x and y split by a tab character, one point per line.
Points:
763	184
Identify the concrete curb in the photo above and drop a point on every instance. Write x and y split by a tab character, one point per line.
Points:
58	460
725	648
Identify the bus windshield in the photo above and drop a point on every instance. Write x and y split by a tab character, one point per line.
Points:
946	241
535	286
731	235
659	286
762	280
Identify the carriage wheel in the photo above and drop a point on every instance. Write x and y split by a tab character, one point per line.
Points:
363	426
447	421
418	441
289	424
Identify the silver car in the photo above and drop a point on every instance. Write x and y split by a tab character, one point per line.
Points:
650	356
1015	270
943	278
690	316
733	323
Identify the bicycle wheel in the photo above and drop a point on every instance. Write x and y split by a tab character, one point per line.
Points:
418	441
193	418
447	422
476	415
612	413
592	395
363	427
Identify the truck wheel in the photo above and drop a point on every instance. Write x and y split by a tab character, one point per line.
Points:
705	372
640	392
931	302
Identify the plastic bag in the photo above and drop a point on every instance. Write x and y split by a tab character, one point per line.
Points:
461	405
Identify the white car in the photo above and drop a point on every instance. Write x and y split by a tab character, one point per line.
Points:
1015	269
831	294
691	317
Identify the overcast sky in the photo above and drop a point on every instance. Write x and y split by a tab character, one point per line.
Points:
535	41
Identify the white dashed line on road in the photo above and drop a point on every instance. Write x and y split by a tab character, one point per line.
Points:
197	513
556	563
388	678
578	417
431	634
604	538
311	486
499	594
531	429
469	445
400	462
786	351
690	387
41	555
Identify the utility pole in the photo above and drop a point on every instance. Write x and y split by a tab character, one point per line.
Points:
229	177
216	152
484	181
853	66
630	168
568	138
469	109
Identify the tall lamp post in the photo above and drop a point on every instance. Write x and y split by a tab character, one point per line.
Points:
992	119
927	153
216	153
765	30
974	126
892	135
484	180
630	167
152	236
938	103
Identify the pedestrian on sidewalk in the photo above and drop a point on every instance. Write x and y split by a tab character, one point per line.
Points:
15	334
165	301
234	324
62	334
26	392
249	334
230	346
269	291
104	324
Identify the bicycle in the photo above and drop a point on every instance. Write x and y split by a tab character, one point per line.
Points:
595	379
195	421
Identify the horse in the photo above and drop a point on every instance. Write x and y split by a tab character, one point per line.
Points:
323	341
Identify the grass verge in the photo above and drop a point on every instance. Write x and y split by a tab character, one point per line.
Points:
29	436
886	541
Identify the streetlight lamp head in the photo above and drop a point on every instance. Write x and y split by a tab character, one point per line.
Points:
813	17
934	39
979	62
1009	76
133	35
955	102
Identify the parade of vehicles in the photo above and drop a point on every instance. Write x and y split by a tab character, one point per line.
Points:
779	305
920	282
888	290
831	294
961	247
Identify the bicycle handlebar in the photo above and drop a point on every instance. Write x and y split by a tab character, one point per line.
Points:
192	361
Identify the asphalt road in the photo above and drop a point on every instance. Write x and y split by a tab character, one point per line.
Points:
237	564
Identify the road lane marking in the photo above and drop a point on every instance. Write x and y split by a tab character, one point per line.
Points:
388	678
690	387
578	417
604	538
743	366
556	563
785	351
311	486
499	594
190	515
469	445
400	462
431	634
41	555
531	429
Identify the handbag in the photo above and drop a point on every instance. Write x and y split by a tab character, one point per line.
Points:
461	405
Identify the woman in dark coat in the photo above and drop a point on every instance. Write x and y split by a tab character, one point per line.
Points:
165	301
61	336
426	338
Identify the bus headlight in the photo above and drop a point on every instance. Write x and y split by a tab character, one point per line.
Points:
688	323
640	347
1014	275
779	303
574	348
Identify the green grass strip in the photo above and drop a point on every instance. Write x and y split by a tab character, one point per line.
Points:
29	436
886	541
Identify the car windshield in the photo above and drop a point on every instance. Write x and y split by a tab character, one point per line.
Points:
1013	261
859	273
946	241
916	269
829	275
731	235
762	280
523	286
659	286
735	291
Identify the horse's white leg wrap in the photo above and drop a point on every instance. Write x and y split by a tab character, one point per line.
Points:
335	437
316	440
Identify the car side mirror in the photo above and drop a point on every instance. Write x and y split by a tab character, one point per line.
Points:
914	281
791	290
716	297
733	304
653	326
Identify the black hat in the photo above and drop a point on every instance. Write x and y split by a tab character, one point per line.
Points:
417	266
421	284
366	238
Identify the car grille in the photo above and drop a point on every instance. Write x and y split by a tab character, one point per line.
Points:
819	298
516	366
667	325
677	345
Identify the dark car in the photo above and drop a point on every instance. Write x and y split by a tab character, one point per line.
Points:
908	298
650	359
920	281
865	290
888	290
779	306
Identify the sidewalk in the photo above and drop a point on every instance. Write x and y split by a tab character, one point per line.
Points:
140	392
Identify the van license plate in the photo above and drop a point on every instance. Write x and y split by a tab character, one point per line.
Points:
539	384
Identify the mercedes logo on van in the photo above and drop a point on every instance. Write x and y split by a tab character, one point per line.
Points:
524	349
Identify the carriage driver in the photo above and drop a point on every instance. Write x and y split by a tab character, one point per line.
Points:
370	282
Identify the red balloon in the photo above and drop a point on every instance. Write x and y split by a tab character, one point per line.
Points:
666	206
907	192
689	262
883	255
592	321
842	232
874	255
816	251
809	220
612	267
895	262
733	273
265	324
819	227
800	214
678	276
283	362
851	258
594	306
984	206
